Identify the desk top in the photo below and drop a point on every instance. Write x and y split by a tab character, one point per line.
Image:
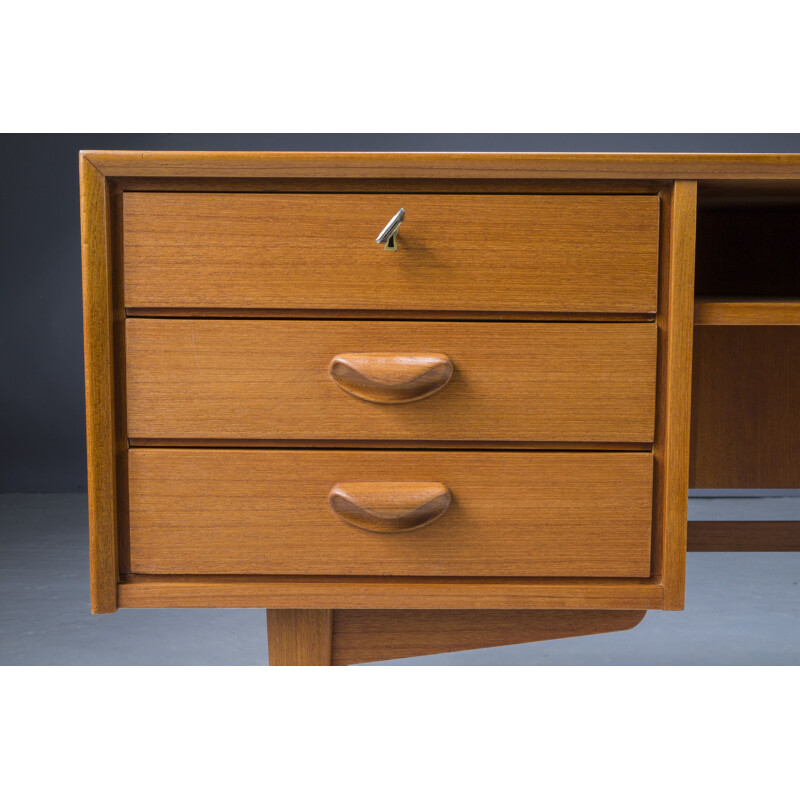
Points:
501	166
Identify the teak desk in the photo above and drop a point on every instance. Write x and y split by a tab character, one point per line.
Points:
458	425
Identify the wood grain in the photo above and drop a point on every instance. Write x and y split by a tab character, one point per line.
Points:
729	535
100	410
360	636
722	167
736	311
671	446
389	507
391	377
268	379
737	180
745	408
456	252
266	512
299	637
172	591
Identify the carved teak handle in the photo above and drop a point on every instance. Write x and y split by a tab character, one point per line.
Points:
391	506
391	377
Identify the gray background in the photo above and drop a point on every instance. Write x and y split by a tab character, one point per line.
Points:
42	437
741	608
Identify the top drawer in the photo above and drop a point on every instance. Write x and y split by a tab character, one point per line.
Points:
533	253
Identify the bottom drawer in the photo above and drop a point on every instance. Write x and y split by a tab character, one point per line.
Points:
502	514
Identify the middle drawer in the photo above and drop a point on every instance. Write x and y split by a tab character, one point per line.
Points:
271	379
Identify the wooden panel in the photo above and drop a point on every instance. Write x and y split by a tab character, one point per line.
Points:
360	636
100	415
174	591
299	637
474	166
496	253
266	512
268	379
746	312
745	402
760	536
671	446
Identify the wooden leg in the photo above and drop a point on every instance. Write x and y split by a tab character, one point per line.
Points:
299	637
309	637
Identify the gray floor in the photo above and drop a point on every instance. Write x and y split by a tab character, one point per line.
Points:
741	608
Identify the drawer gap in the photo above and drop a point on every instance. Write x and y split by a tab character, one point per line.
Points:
419	315
380	444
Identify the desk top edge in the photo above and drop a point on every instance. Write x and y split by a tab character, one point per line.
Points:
648	166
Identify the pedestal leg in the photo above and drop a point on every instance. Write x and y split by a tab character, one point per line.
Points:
299	637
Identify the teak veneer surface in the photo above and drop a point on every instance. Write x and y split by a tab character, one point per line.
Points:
673	403
269	379
744	536
266	512
299	637
725	168
740	311
377	635
101	412
620	289
458	252
746	407
320	592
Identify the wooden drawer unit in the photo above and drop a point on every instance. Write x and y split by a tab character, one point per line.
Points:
271	379
456	252
270	512
283	413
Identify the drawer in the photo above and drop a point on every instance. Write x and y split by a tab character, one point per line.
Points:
271	379
592	253
270	512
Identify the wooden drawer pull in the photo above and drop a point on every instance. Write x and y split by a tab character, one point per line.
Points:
389	507
391	377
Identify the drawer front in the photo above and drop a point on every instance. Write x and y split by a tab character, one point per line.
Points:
270	379
509	514
456	252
